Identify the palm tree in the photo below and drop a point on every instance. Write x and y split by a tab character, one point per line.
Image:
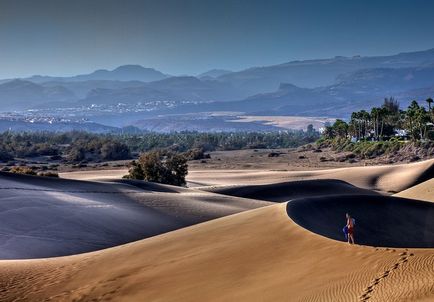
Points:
356	124
429	101
430	112
366	117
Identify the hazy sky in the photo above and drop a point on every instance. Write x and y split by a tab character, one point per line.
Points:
65	37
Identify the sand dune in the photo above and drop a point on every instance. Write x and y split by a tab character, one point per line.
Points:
423	191
94	174
44	217
284	191
392	179
259	255
280	252
380	220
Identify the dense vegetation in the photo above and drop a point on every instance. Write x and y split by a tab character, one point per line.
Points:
387	121
384	130
81	147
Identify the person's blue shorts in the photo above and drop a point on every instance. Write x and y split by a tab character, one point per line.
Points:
345	230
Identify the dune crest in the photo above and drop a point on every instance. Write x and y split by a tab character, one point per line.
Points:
387	179
423	191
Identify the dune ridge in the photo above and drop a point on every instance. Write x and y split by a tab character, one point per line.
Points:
283	191
386	179
423	191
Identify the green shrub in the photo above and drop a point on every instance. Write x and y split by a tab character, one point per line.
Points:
48	174
22	170
160	166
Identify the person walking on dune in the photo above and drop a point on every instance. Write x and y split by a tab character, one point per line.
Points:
350	228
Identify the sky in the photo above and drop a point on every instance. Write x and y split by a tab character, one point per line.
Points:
63	37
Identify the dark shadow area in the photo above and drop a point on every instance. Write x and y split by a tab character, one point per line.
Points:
426	175
47	217
281	192
380	221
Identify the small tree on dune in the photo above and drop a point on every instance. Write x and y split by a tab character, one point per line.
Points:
135	171
160	166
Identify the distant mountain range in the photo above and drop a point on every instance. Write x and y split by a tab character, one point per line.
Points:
316	73
122	73
326	87
358	90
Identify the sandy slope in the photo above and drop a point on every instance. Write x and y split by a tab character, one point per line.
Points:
284	191
380	220
45	217
259	255
423	191
393	178
94	174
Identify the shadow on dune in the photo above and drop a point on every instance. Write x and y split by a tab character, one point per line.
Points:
425	176
45	217
380	221
281	192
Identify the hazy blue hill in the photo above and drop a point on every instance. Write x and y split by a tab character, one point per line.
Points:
20	94
316	73
184	88
324	86
355	91
388	79
122	73
82	88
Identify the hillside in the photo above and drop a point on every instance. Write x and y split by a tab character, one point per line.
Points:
315	73
121	73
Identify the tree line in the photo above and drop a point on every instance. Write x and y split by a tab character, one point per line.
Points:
82	146
383	123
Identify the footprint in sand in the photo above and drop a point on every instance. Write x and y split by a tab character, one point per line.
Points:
368	290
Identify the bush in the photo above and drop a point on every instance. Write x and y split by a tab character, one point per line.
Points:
22	170
135	171
114	151
48	174
162	167
196	154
